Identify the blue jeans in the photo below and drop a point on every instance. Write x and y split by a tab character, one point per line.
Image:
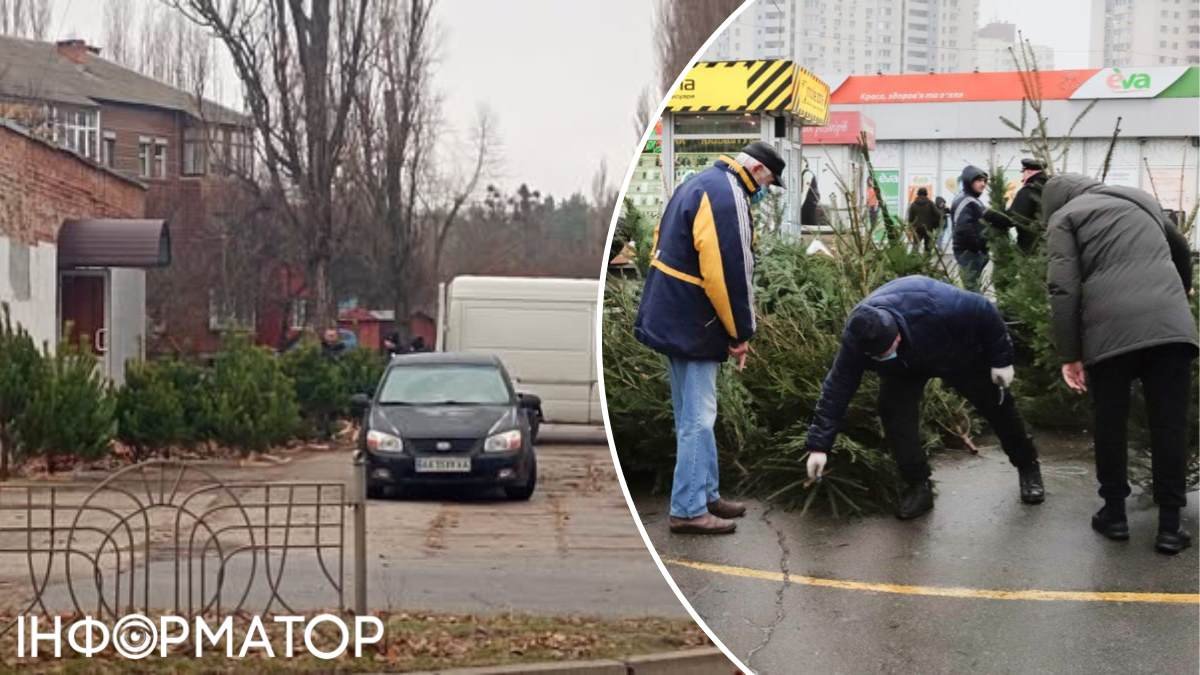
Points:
970	267
694	401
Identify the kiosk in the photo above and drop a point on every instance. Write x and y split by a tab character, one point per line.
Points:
718	108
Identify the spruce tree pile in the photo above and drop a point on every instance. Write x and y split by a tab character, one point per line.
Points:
802	302
21	372
253	400
71	410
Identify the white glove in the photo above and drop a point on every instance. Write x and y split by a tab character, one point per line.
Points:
1003	377
816	463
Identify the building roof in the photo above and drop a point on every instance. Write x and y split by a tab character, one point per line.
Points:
109	242
36	70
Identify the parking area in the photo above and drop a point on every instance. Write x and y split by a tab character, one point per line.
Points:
571	549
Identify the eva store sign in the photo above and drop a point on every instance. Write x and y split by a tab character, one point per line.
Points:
1128	82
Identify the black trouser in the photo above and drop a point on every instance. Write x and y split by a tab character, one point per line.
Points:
1166	375
900	408
922	238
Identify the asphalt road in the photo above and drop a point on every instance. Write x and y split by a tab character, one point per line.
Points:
572	549
979	536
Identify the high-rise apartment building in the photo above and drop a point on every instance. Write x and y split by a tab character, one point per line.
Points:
834	38
992	45
1145	33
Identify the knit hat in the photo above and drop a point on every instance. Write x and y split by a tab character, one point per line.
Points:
872	329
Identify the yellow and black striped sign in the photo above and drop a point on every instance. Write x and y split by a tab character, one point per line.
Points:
736	86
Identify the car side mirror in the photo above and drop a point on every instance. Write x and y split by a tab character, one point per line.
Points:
359	403
530	401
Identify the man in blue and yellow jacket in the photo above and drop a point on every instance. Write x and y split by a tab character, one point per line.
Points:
698	309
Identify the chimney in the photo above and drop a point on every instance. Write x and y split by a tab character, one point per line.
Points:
76	50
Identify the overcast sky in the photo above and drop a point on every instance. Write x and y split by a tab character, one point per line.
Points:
560	77
1062	25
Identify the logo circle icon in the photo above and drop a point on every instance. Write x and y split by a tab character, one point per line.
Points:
135	636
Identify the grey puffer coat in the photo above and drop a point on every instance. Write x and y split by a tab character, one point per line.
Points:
1119	272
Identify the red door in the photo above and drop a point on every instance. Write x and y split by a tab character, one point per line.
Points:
83	311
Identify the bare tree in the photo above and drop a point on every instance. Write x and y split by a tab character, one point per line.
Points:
681	27
25	18
119	19
300	65
39	19
643	114
396	164
19	23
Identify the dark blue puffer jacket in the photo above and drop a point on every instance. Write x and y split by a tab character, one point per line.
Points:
944	332
699	294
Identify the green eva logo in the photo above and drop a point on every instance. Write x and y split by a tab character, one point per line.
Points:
1123	85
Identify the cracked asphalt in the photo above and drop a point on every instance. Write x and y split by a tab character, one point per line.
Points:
978	536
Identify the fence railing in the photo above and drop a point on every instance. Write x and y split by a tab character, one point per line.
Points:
171	535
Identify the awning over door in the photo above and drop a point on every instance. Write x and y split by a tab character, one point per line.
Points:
91	242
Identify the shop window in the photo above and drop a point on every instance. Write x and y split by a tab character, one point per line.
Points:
717	124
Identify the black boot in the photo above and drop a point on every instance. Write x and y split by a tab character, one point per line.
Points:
1110	521
915	500
1171	537
1032	489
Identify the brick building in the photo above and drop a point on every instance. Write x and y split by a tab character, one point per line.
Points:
182	150
74	247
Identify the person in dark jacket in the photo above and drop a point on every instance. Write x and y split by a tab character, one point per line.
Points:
697	308
1118	277
909	331
944	211
924	217
1025	212
970	243
332	345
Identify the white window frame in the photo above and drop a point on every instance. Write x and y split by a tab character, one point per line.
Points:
195	152
77	129
160	158
145	156
222	316
107	157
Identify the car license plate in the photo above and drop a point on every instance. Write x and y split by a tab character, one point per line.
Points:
443	464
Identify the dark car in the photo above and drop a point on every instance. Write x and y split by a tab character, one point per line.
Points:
451	420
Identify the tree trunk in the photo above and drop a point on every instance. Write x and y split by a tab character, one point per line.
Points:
324	308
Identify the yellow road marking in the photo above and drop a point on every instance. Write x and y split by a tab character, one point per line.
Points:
942	591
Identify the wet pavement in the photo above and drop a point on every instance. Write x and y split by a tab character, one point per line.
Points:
979	536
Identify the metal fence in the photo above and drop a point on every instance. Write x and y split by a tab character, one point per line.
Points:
170	535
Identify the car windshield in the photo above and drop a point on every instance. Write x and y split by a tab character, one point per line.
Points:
432	384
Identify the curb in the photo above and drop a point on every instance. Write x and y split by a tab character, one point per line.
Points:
701	661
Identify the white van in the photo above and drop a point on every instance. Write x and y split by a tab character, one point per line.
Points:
543	329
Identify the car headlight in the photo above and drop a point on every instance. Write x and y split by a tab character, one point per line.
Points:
503	441
379	441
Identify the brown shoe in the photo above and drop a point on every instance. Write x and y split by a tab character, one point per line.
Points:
725	508
705	523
